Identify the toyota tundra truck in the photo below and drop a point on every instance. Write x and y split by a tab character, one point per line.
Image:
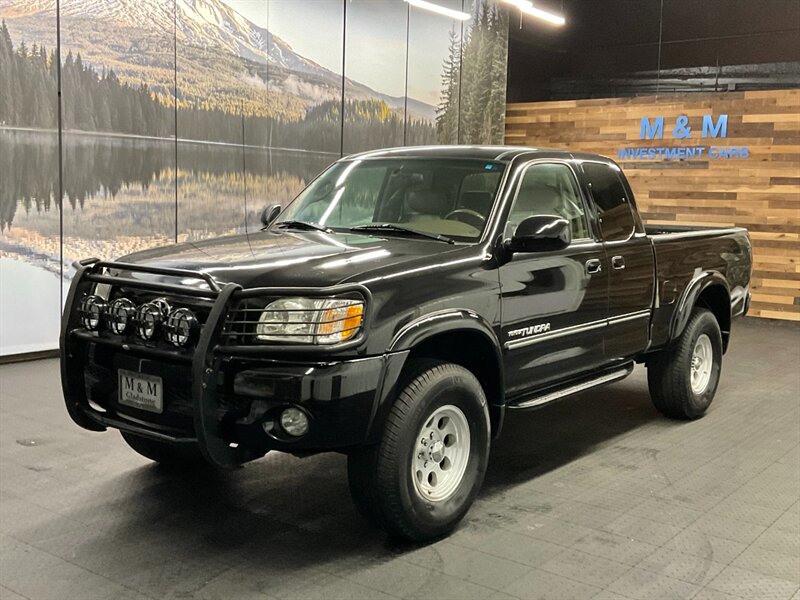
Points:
404	304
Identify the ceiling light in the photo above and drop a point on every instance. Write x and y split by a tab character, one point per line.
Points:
529	9
447	12
544	15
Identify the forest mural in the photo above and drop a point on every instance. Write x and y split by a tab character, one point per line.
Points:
181	119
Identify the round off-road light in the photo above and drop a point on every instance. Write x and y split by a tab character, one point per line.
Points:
181	326
294	422
91	311
121	314
148	319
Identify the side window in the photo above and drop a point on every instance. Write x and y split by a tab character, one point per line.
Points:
549	189
613	208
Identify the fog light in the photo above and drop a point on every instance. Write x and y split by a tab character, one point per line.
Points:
294	422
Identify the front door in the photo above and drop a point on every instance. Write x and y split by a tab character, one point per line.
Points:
554	303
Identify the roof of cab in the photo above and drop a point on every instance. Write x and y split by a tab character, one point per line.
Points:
504	153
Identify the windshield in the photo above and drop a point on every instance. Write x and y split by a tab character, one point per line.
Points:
447	197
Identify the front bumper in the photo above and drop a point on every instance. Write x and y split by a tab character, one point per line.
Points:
225	400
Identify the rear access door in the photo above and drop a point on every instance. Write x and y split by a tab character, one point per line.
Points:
629	259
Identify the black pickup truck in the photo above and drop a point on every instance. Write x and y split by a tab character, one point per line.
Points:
395	311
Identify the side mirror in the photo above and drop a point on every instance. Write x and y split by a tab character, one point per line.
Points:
269	214
541	233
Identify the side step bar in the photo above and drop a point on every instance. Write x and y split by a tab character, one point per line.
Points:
574	389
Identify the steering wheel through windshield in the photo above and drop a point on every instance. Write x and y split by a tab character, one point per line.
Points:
468	216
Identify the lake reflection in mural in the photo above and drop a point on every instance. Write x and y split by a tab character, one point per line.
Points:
120	196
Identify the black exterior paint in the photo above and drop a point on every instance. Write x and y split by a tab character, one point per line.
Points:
570	321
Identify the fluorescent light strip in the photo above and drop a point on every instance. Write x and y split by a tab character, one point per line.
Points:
544	15
447	12
529	9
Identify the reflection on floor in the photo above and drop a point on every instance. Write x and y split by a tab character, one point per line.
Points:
596	497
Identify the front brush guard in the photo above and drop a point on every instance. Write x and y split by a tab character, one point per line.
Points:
204	389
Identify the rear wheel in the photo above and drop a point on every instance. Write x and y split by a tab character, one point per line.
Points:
425	473
163	452
683	378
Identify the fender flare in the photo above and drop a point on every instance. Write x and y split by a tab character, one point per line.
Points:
444	321
418	331
683	310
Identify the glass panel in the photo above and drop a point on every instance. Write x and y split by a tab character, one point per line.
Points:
118	157
276	176
614	211
549	189
30	242
375	59
434	58
222	79
728	47
606	49
427	195
305	76
482	104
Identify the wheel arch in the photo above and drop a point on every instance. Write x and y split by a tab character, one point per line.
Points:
709	290
464	338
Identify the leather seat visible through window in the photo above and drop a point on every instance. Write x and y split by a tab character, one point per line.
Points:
424	204
535	198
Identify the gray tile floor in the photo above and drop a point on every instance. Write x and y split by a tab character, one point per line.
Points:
596	497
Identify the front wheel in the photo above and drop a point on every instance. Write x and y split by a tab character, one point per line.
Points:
425	473
683	379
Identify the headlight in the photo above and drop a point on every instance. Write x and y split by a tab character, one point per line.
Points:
310	320
91	312
121	314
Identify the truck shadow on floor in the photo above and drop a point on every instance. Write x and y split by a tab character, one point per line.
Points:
535	442
280	517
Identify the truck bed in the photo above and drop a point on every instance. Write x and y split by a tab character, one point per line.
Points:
687	258
690	230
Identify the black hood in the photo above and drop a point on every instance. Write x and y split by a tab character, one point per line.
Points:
290	259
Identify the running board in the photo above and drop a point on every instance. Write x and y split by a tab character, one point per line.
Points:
575	388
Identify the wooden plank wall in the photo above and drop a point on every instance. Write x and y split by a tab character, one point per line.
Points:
761	192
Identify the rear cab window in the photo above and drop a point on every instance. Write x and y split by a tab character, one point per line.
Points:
616	217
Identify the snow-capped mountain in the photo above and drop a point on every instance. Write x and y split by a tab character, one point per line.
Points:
209	23
201	23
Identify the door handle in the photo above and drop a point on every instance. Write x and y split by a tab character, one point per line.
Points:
618	262
593	265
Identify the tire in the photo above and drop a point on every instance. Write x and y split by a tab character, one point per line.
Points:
164	453
683	378
418	490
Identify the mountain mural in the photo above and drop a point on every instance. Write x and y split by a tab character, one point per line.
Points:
181	119
216	46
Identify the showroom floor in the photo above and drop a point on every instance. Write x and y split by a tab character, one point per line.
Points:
595	497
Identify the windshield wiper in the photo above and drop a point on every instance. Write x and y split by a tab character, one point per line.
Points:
303	225
392	228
